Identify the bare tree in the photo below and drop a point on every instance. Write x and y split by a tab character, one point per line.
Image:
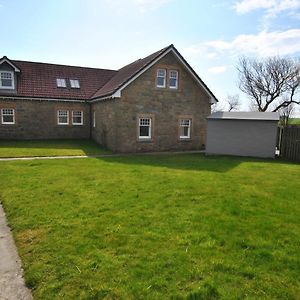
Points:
217	107
233	102
271	84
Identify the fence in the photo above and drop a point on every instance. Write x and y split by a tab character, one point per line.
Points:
289	142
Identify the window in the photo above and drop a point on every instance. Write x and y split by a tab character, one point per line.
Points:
8	116
7	80
185	128
94	119
145	128
63	117
77	117
61	82
161	78
173	79
74	83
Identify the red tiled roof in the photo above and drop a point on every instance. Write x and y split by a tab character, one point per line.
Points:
39	80
126	73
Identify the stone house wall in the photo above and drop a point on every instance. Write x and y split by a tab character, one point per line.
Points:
36	119
119	120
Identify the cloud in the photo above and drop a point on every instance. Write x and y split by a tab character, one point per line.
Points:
217	69
263	44
273	7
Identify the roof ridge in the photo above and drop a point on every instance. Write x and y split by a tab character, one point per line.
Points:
53	64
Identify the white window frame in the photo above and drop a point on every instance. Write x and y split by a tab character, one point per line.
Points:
164	77
74	83
58	116
61	82
5	114
12	87
81	115
176	72
181	125
149	136
94	119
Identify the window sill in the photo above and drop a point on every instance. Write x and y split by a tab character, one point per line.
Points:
145	140
183	139
7	87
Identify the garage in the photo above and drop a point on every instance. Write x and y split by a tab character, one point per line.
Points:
242	133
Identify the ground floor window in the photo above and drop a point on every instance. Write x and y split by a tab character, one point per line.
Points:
77	117
185	128
145	128
7	116
62	117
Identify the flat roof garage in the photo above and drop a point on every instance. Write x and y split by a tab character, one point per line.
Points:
242	133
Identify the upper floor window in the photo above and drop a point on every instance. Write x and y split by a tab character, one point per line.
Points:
161	78
62	117
74	83
60	82
185	128
145	128
173	79
7	80
77	117
7	116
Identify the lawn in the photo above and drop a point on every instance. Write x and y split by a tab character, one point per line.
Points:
156	227
49	148
294	121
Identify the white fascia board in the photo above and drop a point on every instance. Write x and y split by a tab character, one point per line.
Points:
8	62
212	98
41	99
116	94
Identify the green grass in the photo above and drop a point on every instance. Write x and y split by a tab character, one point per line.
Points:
294	121
156	227
49	148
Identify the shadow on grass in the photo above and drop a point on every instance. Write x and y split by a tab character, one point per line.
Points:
194	162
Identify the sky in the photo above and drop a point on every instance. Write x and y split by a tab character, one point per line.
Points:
211	35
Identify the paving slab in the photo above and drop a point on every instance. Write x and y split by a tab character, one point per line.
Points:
12	285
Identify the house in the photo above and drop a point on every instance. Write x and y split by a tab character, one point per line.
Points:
242	133
157	103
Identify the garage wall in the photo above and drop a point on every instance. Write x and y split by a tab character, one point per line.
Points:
241	137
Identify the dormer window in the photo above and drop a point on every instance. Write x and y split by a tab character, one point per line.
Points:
161	78
173	79
74	83
7	80
60	82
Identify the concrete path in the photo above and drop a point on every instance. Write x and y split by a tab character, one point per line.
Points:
100	155
12	286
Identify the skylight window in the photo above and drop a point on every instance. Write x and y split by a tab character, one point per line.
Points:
74	83
60	82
